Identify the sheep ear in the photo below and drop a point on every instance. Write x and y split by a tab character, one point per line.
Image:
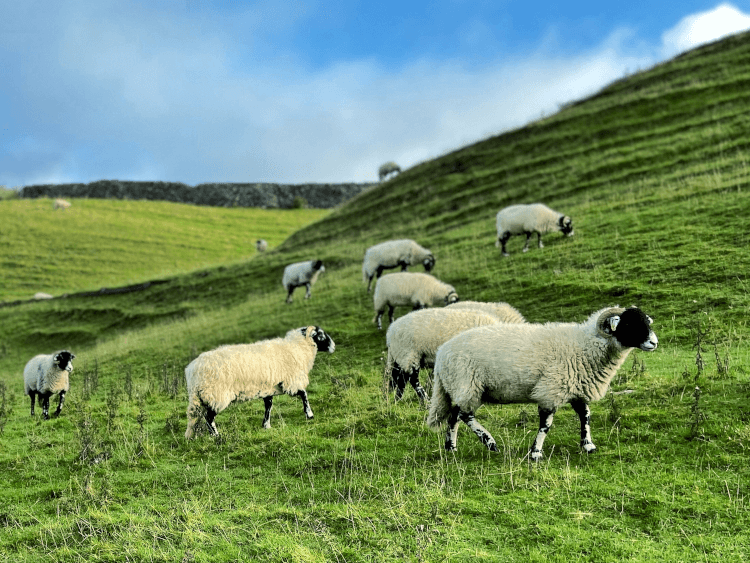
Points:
610	324
310	331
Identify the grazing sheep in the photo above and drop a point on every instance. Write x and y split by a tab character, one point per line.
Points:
42	295
299	274
45	375
529	219
392	254
388	168
548	364
414	339
261	245
243	372
503	311
60	204
405	288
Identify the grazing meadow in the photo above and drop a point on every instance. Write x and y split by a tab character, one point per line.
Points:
653	171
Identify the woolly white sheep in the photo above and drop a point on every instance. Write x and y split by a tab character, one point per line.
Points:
299	274
405	288
392	254
243	372
388	168
547	364
261	245
413	339
45	375
529	219
60	204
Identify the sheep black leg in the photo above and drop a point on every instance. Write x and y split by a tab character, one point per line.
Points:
307	293
481	432
60	403
268	401
210	422
302	394
539	240
369	282
414	380
379	320
584	413
390	314
398	381
290	290
503	240
451	434
44	399
32	394
545	423
526	246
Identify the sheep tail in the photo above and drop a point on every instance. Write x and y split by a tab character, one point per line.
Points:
440	405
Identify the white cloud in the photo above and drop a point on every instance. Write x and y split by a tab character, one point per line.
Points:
704	27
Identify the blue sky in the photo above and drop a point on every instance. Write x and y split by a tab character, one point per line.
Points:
305	91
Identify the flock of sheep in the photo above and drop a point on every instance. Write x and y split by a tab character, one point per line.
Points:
480	352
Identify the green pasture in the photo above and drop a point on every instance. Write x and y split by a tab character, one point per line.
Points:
654	172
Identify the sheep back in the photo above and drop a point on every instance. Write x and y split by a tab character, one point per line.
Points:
408	288
390	254
503	311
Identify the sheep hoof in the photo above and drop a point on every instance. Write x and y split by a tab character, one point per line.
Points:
536	456
492	446
525	250
506	254
589	448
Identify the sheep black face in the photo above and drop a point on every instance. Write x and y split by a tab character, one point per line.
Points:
566	226
429	263
323	341
63	360
317	265
632	329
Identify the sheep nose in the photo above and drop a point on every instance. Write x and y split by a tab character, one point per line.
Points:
651	344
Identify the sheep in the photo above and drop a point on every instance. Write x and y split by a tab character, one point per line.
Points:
243	372
503	311
299	274
392	254
405	288
414	339
45	375
529	219
42	295
548	364
388	168
60	204
261	245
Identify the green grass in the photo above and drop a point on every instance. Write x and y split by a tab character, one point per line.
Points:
653	171
106	243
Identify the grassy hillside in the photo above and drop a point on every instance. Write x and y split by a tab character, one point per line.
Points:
653	171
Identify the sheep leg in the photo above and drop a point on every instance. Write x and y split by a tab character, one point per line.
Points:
584	413
526	246
210	422
268	401
302	394
404	266
545	422
451	434
379	319
44	399
503	240
290	290
60	403
390	313
398	380
307	293
414	380
369	282
481	432
32	394
539	240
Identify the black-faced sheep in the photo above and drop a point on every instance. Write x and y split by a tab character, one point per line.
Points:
547	364
405	288
45	375
261	370
261	245
529	219
299	274
392	254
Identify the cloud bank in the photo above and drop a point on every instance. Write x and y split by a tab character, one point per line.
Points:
129	92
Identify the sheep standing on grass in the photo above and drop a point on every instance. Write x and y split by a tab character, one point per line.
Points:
548	364
387	169
261	245
299	274
529	219
404	288
45	375
243	372
61	204
392	254
413	339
